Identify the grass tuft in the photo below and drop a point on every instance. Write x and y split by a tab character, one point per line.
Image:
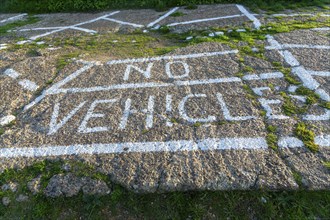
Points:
307	136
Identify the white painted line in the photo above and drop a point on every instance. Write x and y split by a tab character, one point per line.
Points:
17	17
323	94
144	85
38	29
255	20
299	97
259	90
319	73
258	143
203	20
7	120
123	22
292	88
262	76
324	117
11	73
323	140
28	85
301	46
73	27
162	17
290	142
321	29
172	57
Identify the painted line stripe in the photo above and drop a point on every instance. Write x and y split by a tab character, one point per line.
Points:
289	46
197	55
145	85
115	148
123	22
75	26
39	29
13	18
162	17
250	16
258	143
83	29
28	85
11	73
273	75
203	20
7	120
321	29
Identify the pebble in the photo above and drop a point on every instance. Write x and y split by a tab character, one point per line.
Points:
240	30
10	186
211	34
219	33
189	38
22	198
5	201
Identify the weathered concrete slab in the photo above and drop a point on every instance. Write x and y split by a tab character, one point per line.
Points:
200	117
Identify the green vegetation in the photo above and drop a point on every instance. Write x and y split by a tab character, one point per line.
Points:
289	107
5	28
287	73
177	14
272	141
311	96
38	6
124	204
327	164
307	136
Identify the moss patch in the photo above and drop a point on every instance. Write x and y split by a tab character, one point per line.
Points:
307	136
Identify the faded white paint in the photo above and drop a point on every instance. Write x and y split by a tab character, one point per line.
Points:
6	120
202	20
169	72
324	117
259	90
184	115
265	103
162	17
17	17
11	73
146	73
83	128
168	110
256	22
28	85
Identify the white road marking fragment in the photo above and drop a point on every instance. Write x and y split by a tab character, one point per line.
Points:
162	17
261	76
203	20
290	142
124	22
292	88
3	46
299	97
323	94
256	22
324	117
143	85
6	120
258	143
321	29
11	73
75	27
319	73
17	17
28	85
259	90
323	140
301	46
293	142
265	103
173	57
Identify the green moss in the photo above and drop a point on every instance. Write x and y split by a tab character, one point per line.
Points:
10	26
272	141
289	107
325	105
311	96
327	164
191	7
307	136
177	14
2	131
197	124
271	128
65	60
298	178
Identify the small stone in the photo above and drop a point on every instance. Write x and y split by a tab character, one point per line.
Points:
63	185
66	167
219	33
292	88
10	186
240	30
94	187
133	41
22	198
229	31
189	38
114	41
254	49
5	201
23	42
145	31
211	34
7	120
156	27
40	42
34	185
263	200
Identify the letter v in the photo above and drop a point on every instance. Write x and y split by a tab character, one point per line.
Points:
54	126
